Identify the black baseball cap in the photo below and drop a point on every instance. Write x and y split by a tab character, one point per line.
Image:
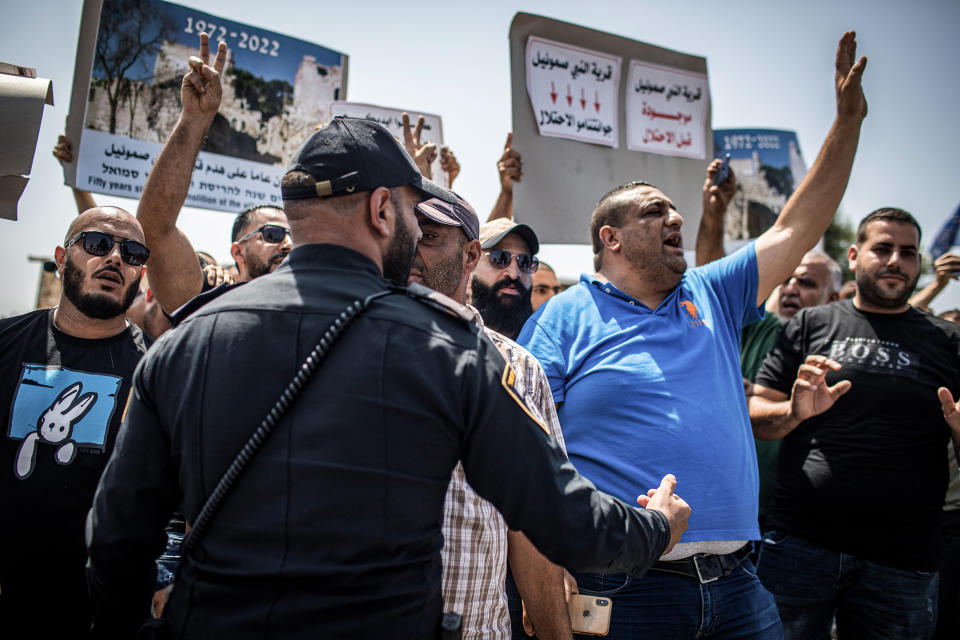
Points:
352	154
459	214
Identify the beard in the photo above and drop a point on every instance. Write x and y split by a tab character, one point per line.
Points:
658	267
399	255
873	293
96	305
445	275
503	314
257	267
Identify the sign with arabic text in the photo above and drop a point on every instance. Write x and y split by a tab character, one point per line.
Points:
573	91
550	62
276	89
392	119
666	110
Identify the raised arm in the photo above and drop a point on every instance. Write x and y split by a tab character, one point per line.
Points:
808	212
510	168
449	164
64	153
716	197
423	154
946	268
175	274
774	414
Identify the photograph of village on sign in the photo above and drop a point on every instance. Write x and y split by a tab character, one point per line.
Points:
275	87
768	166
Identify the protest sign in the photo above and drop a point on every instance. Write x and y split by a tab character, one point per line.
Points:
573	91
768	166
392	119
666	110
564	175
131	58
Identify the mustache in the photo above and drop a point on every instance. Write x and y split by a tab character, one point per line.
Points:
892	271
111	269
509	282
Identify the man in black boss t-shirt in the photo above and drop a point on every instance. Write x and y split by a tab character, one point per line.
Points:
64	381
853	528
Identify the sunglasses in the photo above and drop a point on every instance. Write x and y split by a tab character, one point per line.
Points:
97	243
271	233
500	259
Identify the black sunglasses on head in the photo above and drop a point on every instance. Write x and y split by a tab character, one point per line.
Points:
272	233
500	259
98	243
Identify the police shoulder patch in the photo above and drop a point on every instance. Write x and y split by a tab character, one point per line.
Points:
509	382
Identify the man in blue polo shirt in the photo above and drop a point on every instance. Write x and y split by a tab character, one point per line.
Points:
644	364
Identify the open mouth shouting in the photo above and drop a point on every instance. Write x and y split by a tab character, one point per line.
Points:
109	278
674	241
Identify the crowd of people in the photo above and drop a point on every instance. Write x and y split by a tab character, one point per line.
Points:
389	419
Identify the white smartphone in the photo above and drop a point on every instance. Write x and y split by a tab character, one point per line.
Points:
590	615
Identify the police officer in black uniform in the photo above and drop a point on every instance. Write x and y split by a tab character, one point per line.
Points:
333	528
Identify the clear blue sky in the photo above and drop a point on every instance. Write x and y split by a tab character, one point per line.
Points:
770	65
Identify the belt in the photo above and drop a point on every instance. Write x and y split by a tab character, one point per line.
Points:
705	567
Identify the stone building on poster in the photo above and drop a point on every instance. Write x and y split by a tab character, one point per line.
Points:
151	106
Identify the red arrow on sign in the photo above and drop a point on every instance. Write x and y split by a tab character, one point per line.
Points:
583	100
553	93
596	101
569	96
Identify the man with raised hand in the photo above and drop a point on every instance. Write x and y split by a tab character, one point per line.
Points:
65	377
644	364
852	389
260	236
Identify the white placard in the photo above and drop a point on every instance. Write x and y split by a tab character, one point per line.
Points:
392	119
573	91
120	165
666	110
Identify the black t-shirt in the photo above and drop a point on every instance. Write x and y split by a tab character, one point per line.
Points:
61	403
868	476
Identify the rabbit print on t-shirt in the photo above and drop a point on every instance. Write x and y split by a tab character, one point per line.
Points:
60	412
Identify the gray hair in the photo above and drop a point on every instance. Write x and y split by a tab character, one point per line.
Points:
836	273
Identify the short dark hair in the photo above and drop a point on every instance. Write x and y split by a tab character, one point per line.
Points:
243	219
609	212
891	214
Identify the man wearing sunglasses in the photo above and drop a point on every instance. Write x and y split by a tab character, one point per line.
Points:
65	377
261	240
500	287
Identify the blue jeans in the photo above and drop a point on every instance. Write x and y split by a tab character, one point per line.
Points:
665	605
811	584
